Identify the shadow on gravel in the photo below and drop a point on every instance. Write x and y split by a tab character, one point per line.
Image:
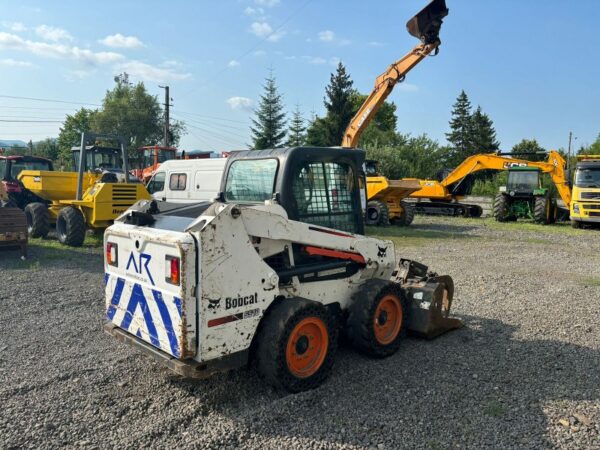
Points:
49	254
477	387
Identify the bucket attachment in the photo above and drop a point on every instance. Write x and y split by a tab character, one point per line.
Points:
430	298
427	23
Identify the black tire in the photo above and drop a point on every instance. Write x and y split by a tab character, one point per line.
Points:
542	209
70	227
553	211
38	220
576	224
361	325
501	207
475	211
407	216
377	213
273	340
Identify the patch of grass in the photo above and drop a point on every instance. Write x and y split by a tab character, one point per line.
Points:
495	409
524	225
537	241
411	235
591	281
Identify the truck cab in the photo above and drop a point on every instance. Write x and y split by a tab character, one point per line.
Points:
585	205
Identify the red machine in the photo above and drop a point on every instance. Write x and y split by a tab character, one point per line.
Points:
150	158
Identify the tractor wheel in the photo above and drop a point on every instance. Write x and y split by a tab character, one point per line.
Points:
542	209
407	216
297	345
377	213
475	211
70	227
553	211
501	207
377	321
38	220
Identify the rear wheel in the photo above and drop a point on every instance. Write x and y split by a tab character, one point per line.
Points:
475	211
377	213
38	220
542	210
297	345
70	227
406	216
501	208
377	323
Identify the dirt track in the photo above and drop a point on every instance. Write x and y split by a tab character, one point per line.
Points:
524	373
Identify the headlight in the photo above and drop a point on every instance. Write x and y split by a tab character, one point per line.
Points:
576	208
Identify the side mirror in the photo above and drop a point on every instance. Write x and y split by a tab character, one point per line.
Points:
221	197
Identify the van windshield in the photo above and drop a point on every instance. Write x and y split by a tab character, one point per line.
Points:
251	180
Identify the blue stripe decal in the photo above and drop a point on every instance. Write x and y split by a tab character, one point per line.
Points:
168	324
106	276
116	298
137	298
177	302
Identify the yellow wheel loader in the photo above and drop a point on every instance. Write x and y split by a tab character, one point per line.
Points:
385	197
90	198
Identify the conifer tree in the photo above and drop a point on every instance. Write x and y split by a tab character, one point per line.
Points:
268	130
297	129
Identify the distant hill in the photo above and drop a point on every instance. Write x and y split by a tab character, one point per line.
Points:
7	143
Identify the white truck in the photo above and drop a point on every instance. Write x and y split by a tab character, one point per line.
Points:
272	271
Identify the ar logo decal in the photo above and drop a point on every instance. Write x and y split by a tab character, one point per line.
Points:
140	265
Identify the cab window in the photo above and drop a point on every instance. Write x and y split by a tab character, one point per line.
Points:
157	183
177	181
251	180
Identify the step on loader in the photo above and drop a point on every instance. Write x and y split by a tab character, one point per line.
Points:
271	273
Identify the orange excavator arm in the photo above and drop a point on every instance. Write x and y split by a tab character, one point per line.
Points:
555	167
424	26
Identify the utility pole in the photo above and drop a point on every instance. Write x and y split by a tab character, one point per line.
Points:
569	156
167	104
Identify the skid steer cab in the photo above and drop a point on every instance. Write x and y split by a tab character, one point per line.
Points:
271	272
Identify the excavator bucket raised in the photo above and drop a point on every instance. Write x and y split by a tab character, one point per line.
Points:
427	23
430	298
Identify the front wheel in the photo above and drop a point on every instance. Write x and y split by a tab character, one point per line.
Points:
377	213
70	227
297	345
501	208
406	216
542	210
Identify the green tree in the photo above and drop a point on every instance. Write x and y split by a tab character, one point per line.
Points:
461	132
483	135
48	148
70	133
382	129
529	149
268	130
297	130
593	149
129	111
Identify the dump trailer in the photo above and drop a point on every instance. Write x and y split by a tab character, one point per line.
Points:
585	206
272	272
385	197
13	226
90	198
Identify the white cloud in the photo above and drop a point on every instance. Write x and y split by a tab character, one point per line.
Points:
267	3
261	29
260	53
17	27
78	74
14	63
250	11
326	36
315	60
120	41
53	34
233	63
243	103
151	73
407	87
55	50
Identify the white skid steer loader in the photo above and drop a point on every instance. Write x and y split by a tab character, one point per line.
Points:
271	272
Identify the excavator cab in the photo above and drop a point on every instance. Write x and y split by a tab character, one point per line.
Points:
427	23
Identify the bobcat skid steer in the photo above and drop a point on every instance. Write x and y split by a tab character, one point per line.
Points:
271	272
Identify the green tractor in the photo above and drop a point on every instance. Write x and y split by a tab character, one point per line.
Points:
523	197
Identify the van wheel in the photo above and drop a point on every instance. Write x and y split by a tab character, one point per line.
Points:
297	345
38	220
70	227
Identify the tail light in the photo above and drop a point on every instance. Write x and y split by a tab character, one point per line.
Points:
112	254
172	270
12	187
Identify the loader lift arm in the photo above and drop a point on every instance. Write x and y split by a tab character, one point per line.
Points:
424	26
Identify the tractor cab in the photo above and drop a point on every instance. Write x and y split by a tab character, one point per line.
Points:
523	182
97	158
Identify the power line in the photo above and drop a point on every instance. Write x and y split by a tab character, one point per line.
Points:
14	97
32	121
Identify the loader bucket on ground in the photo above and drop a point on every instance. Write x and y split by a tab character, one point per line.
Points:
427	23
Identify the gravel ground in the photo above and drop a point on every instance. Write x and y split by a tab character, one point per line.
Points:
524	373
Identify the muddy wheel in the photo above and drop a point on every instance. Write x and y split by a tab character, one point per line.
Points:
377	213
70	227
38	220
501	207
542	210
377	323
407	216
297	345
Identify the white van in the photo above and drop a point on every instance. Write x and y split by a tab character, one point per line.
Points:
187	180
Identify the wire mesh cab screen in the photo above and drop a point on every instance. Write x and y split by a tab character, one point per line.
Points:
323	194
251	180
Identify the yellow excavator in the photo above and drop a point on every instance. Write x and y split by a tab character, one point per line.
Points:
385	197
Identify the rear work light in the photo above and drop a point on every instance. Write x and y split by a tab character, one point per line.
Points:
172	272
112	254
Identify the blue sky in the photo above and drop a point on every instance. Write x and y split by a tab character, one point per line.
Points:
532	65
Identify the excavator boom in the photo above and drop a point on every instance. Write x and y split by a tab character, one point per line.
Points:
424	26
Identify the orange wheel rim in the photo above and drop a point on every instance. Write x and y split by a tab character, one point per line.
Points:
307	347
388	319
